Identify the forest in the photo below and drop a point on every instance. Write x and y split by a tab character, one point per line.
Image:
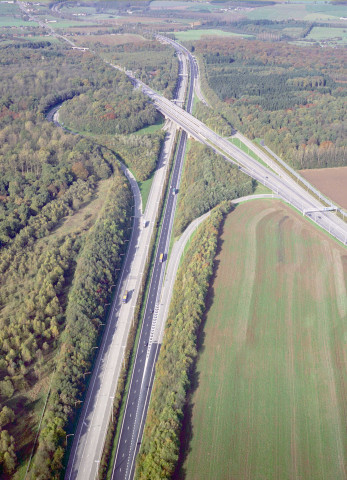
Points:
153	63
139	152
117	128
207	180
56	262
160	444
293	98
105	112
39	164
95	274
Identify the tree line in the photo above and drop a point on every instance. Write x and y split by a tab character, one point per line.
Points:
160	445
95	275
207	180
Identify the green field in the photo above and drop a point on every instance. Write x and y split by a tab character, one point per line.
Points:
270	398
151	128
8	9
299	11
15	22
78	9
326	33
191	35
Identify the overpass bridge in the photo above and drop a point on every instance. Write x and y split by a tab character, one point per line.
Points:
325	209
280	183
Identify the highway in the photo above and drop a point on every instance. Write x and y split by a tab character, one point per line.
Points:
279	182
149	343
88	440
148	350
89	437
90	434
91	431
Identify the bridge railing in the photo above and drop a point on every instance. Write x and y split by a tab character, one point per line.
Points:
304	181
315	217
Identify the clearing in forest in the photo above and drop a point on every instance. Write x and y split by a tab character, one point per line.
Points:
270	399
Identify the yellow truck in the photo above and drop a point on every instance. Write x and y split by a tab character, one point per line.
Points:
125	296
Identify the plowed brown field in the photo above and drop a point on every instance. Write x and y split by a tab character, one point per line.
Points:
330	181
271	400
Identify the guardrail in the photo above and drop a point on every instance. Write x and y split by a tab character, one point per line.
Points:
317	217
304	181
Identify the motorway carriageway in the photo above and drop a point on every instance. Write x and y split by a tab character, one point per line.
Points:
148	350
282	184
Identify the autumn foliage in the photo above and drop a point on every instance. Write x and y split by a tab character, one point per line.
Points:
160	446
291	96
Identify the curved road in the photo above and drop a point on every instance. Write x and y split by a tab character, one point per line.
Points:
150	342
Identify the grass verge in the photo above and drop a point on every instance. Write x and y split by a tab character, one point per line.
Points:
158	125
145	188
237	142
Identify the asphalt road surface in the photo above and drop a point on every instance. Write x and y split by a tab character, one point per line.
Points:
279	182
92	427
148	347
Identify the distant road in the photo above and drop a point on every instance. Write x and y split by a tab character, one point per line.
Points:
180	48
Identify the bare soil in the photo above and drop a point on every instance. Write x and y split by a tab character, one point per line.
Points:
330	181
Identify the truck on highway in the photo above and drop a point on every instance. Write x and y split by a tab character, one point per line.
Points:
125	296
161	258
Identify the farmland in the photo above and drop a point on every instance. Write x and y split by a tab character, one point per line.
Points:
339	35
270	383
191	35
301	11
110	39
330	181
